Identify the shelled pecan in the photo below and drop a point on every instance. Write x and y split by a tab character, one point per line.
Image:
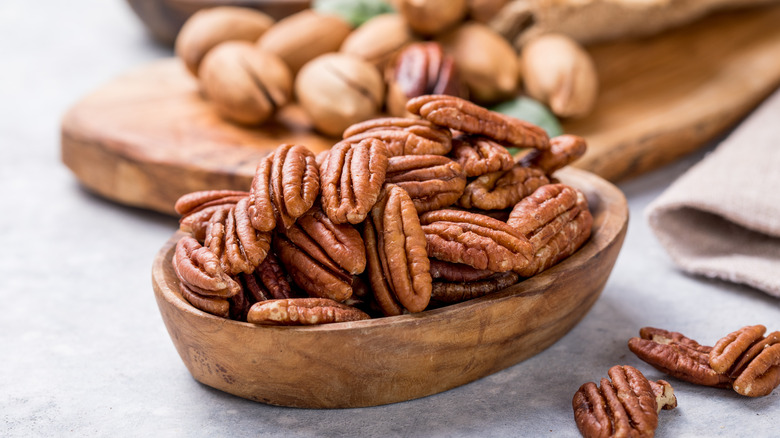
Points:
556	220
351	178
302	311
564	150
231	237
269	281
432	181
457	272
383	296
285	186
503	189
400	250
626	406
478	155
750	359
478	241
196	208
462	115
403	136
454	292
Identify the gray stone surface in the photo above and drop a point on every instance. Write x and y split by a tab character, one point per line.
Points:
83	351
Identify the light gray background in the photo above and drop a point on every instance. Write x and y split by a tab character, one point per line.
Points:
83	350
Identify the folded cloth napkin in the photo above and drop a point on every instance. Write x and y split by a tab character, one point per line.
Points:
721	219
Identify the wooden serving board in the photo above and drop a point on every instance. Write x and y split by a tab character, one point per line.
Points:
148	137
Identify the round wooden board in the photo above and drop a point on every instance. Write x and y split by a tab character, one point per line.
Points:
388	360
148	137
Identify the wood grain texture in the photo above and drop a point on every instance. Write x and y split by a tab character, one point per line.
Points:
148	137
387	360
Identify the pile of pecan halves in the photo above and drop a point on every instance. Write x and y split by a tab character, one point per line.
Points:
402	215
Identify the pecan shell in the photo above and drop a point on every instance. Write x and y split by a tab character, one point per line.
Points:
503	189
476	240
351	178
196	208
478	156
284	187
564	150
454	292
627	406
400	245
462	115
302	311
432	181
403	136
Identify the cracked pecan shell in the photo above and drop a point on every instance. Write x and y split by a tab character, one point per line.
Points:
476	240
447	292
284	187
403	136
196	208
351	178
432	181
751	359
503	189
626	406
400	246
462	115
478	156
564	150
231	237
302	311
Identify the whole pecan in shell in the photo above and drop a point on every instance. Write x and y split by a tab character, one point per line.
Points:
432	181
196	208
478	241
403	136
503	189
462	115
400	245
627	406
751	359
478	156
285	186
351	178
564	150
455	292
302	311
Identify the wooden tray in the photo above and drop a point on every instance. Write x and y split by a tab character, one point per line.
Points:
147	137
387	360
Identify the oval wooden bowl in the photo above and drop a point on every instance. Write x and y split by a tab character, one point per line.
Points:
387	360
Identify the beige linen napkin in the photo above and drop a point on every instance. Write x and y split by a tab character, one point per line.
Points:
721	219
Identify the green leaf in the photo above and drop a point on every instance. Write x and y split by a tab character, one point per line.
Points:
530	110
355	12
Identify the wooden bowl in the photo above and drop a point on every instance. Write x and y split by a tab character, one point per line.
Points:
387	360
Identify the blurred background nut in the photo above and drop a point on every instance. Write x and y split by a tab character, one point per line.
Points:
378	39
209	27
431	17
337	90
302	37
486	62
244	84
560	73
484	10
421	68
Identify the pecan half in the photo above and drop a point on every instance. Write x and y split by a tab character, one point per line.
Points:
564	150
400	246
231	237
269	281
403	136
462	115
196	208
478	241
202	281
457	272
503	189
432	181
302	311
556	220
478	156
311	276
285	186
751	359
383	295
351	178
454	292
624	407
678	356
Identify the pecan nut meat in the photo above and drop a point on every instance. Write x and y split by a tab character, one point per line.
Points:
231	237
503	189
478	155
457	272
307	273
284	187
303	311
432	181
462	115
751	359
564	150
383	296
351	178
269	281
628	405
454	292
476	240
196	208
403	136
